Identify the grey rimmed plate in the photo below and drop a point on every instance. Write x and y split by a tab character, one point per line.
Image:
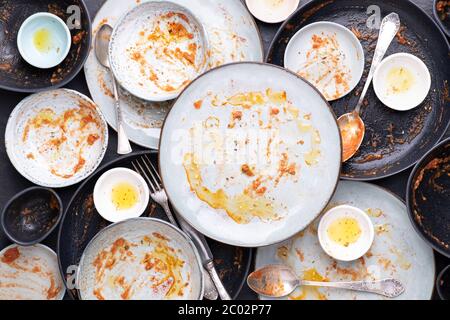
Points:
250	154
397	252
56	138
140	259
156	49
232	36
30	273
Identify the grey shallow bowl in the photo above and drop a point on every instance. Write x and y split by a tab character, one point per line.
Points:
31	215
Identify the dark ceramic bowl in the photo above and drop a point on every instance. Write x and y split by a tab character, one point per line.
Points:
15	73
428	197
31	215
443	284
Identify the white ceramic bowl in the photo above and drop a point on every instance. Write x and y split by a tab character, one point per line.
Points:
272	11
149	61
316	65
103	189
418	89
55	33
352	251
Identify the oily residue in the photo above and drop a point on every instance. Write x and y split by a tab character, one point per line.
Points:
155	269
61	140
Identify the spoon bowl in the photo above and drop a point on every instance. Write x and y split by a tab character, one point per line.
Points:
352	131
102	53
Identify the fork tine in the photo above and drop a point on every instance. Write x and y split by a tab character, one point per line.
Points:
156	180
137	166
153	167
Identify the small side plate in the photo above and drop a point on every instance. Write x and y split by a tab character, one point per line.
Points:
329	56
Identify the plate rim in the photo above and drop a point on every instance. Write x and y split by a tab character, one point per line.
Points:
264	244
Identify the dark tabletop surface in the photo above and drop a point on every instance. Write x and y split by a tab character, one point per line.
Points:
11	182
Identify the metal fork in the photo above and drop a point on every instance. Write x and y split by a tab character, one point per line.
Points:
213	285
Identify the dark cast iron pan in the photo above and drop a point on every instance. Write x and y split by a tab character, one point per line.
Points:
394	141
442	15
15	73
428	197
81	223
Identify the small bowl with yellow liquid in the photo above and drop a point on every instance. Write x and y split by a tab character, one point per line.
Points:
44	40
402	81
121	194
346	233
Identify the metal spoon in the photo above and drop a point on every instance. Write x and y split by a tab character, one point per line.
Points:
351	125
101	51
279	281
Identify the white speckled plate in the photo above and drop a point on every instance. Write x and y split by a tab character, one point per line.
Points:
397	251
265	145
56	138
30	273
140	259
232	34
156	49
329	56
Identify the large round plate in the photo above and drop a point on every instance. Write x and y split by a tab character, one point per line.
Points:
394	140
232	34
397	251
256	142
56	138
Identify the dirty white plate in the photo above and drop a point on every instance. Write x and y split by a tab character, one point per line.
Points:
329	56
30	273
250	154
56	138
140	259
402	81
156	49
232	34
397	251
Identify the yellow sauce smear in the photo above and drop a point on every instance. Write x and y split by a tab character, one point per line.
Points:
162	259
344	231
399	80
241	208
124	196
311	275
42	40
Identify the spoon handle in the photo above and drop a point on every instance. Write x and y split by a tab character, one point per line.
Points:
388	29
123	144
390	288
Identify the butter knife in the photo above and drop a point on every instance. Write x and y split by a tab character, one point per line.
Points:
205	255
